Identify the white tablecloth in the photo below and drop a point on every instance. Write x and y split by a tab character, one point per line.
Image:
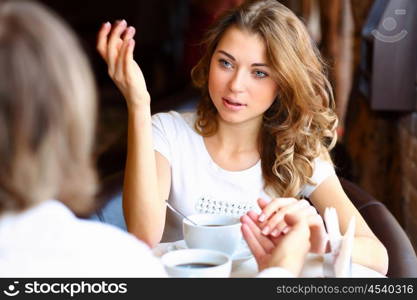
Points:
249	268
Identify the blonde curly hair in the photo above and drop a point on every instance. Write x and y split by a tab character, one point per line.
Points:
301	123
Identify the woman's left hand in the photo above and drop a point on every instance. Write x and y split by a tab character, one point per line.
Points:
273	223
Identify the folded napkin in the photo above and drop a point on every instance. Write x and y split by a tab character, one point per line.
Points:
338	262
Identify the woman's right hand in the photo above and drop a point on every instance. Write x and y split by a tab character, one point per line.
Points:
115	44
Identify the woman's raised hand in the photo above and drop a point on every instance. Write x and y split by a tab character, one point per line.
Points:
272	220
115	44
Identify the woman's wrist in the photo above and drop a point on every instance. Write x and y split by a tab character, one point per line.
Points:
139	115
139	106
139	102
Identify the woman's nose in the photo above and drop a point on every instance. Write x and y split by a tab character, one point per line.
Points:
237	82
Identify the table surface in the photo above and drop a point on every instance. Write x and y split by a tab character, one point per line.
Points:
249	268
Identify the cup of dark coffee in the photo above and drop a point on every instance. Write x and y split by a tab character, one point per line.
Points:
197	263
213	232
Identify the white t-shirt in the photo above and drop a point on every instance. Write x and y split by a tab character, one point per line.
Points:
49	241
198	184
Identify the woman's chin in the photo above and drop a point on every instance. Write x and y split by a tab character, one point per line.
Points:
231	118
236	119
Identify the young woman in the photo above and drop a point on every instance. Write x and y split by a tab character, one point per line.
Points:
263	129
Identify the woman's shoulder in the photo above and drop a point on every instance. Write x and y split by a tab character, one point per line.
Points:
174	120
322	166
322	169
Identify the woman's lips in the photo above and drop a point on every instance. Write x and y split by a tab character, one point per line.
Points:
231	105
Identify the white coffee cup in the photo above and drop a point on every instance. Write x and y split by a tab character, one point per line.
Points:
197	263
214	232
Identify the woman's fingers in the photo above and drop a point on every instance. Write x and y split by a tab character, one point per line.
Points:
272	221
284	227
254	216
245	219
253	243
129	57
114	44
102	39
262	203
123	59
129	33
119	69
292	219
266	243
318	235
274	206
128	52
276	222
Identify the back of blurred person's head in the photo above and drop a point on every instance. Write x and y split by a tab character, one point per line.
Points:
47	111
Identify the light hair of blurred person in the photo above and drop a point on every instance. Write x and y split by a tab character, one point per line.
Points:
47	126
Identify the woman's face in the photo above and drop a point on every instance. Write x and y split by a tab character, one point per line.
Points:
240	82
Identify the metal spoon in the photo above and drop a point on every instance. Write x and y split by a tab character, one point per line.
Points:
180	213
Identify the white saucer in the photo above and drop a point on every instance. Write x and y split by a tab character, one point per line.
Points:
241	254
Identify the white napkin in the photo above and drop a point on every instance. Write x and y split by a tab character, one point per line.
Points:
338	263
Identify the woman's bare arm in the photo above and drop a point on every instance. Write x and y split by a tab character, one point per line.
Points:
367	249
147	173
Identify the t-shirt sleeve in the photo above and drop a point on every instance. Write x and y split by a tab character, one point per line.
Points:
162	131
322	170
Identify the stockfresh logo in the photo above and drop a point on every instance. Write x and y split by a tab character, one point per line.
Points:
12	290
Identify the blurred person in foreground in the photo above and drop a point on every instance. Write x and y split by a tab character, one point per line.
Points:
47	123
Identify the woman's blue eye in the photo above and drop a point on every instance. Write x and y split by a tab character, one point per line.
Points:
225	64
260	74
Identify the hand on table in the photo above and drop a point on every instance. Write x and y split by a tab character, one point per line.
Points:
287	250
273	223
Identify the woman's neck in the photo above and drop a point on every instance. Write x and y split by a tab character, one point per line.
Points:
237	138
234	147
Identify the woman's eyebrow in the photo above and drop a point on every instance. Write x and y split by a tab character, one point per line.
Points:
232	58
227	54
259	65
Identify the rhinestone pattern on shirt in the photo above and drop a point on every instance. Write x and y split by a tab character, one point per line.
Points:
208	205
